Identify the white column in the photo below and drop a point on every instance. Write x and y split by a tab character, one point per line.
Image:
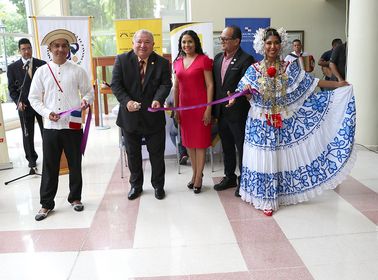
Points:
362	69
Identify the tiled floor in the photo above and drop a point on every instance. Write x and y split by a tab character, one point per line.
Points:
185	236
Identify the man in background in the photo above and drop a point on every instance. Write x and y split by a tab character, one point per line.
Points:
338	62
20	74
325	59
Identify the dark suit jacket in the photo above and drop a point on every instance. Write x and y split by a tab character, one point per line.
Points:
235	71
126	86
16	76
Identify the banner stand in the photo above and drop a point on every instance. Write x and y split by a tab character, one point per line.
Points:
4	156
101	126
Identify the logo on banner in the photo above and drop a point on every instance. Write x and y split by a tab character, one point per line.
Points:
77	51
247	34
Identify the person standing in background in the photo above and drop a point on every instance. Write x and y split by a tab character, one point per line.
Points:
20	75
337	62
325	60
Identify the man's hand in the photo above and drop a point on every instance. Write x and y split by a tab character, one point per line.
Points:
133	106
54	117
84	104
231	101
155	104
21	106
342	83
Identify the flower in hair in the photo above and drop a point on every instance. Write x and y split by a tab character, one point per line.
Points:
258	42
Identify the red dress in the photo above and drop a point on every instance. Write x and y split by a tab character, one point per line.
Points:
192	88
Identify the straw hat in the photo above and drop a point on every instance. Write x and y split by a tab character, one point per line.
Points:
59	34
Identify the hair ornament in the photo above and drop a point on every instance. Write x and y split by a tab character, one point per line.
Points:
258	42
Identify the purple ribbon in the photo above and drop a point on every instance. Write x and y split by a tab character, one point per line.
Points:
224	99
86	132
84	139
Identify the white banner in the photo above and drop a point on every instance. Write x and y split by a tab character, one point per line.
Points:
81	53
4	156
204	31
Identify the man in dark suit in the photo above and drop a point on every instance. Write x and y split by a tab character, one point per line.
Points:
20	74
229	68
141	79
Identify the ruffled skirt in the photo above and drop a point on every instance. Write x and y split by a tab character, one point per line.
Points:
312	152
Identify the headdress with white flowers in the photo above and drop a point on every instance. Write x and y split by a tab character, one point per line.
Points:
258	42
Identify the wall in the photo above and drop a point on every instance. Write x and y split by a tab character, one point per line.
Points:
321	20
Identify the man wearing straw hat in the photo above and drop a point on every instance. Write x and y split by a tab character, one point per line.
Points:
55	89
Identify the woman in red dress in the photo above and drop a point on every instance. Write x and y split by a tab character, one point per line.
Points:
194	85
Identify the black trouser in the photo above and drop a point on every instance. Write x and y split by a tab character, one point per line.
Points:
155	145
54	142
27	120
231	134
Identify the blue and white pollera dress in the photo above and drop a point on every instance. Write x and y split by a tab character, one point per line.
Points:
312	152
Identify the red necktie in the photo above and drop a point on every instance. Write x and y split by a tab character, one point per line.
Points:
141	70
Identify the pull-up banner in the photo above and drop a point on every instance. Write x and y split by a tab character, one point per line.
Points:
125	30
248	28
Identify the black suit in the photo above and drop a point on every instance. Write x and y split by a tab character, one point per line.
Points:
231	121
16	75
126	86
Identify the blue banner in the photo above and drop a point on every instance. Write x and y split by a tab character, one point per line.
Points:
248	28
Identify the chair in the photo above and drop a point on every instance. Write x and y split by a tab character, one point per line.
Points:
122	150
178	140
214	143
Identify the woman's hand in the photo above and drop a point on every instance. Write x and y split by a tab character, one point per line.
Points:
176	115
248	95
207	116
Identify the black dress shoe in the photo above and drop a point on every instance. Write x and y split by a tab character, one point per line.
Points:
226	183
134	193
159	193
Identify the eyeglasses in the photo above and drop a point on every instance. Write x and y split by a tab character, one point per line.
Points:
225	39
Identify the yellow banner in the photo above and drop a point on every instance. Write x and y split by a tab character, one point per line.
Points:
125	30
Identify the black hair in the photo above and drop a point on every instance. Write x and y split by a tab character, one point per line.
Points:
271	32
336	41
197	43
23	41
297	40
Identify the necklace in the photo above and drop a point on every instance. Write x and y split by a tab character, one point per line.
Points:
272	85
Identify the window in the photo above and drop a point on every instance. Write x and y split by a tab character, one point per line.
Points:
104	12
13	26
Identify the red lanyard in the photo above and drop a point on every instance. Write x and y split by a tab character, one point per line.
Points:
56	81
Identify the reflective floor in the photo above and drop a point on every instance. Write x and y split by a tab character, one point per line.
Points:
213	235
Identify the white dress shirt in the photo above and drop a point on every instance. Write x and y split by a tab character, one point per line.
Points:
45	96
